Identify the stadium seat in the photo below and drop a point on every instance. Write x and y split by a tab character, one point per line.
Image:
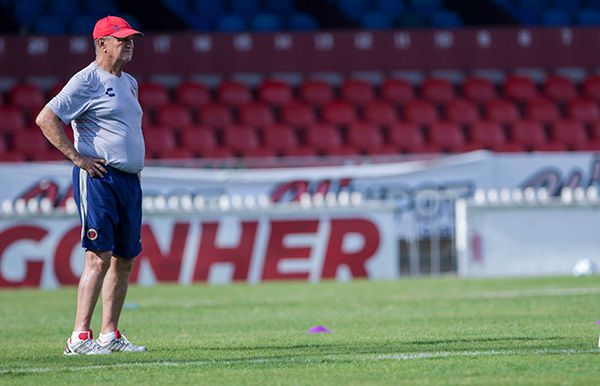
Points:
502	110
27	97
542	110
12	157
203	142
266	22
380	113
11	119
82	24
531	135
256	114
50	25
152	96
174	115
231	22
357	91
215	115
280	138
298	114
489	135
243	141
327	139
397	91
353	9
568	5
572	134
519	88
275	92
65	8
245	8
339	112
479	90
461	111
368	138
234	93
559	89
210	9
588	17
595	132
159	139
31	143
448	136
282	8
420	111
437	90
556	18
393	8
584	110
591	87
316	92
427	6
193	94
300	21
26	12
409	138
446	19
376	20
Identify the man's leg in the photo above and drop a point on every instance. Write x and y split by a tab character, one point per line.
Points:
114	290
96	266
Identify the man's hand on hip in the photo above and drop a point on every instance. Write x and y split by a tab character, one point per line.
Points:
93	166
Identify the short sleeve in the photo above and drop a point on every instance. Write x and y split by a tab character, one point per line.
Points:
72	101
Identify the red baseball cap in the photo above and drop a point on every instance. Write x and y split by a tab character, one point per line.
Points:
113	26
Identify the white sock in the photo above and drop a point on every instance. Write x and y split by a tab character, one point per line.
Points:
75	335
108	336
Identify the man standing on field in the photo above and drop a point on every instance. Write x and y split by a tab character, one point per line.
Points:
101	103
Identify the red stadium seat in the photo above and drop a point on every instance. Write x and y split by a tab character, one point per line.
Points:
368	139
448	136
584	110
316	92
502	110
519	88
461	111
398	91
420	111
202	141
437	90
591	87
542	110
298	114
234	93
275	92
12	157
152	96
174	115
241	139
193	94
531	135
487	135
339	112
380	112
159	140
559	89
409	138
11	119
215	115
571	133
256	114
327	139
595	133
31	143
28	97
3	144
479	90
357	91
281	138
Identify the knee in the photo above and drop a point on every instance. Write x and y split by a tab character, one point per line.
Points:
124	265
99	261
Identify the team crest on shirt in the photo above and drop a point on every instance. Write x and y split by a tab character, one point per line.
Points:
92	234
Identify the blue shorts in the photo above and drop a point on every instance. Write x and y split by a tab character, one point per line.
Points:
110	209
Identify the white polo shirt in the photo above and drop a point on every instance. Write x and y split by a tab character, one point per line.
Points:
105	115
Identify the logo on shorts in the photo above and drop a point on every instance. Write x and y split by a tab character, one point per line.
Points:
92	234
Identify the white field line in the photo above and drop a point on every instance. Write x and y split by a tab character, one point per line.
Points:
510	294
290	360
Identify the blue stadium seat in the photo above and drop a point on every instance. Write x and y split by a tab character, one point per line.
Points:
556	18
446	19
200	23
266	22
568	5
83	25
100	8
392	8
300	21
231	23
208	9
64	8
28	11
354	9
427	6
588	17
245	8
412	20
533	6
280	7
376	20
50	25
133	21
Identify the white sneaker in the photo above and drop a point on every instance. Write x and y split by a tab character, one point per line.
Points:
120	343
85	346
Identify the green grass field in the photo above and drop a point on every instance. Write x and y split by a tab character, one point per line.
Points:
443	331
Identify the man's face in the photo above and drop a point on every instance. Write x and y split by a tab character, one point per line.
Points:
119	48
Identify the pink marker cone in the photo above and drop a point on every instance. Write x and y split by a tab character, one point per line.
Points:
318	330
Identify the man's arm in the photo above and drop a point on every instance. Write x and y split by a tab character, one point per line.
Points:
52	128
